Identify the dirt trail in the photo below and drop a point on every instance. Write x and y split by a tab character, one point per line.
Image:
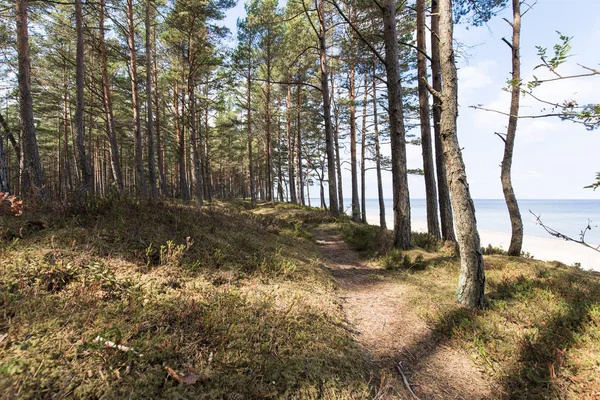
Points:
391	333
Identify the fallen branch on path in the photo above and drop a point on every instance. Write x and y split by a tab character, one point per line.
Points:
399	366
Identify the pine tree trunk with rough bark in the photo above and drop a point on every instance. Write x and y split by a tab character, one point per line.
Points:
471	283
30	159
382	222
363	155
446	217
516	239
431	198
149	116
291	172
137	130
333	200
299	147
115	162
84	163
353	161
402	231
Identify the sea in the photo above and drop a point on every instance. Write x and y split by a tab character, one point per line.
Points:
569	217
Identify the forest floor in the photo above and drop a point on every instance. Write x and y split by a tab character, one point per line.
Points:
126	299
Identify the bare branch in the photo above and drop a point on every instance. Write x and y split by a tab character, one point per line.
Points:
555	233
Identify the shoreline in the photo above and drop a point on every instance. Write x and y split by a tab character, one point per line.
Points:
540	248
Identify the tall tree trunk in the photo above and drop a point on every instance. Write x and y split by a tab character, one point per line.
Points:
137	131
4	179
206	158
183	186
431	198
279	159
115	162
299	147
333	200
336	138
268	139
250	137
291	172
84	162
402	233
196	163
471	283
353	162
4	184
363	155
447	220
149	117
157	107
382	222
516	239
31	159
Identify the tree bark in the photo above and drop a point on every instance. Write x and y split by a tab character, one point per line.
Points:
4	184
471	283
516	239
333	200
149	116
431	198
336	139
446	217
382	222
34	179
157	106
291	172
249	127
196	163
84	163
402	232
363	155
353	161
299	147
137	132
115	162
183	186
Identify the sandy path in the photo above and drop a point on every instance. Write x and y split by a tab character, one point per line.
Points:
391	333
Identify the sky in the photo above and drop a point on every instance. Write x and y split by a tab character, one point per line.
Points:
553	159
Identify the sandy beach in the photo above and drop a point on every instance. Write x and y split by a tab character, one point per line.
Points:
541	248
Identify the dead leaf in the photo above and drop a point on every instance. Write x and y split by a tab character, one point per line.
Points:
3	336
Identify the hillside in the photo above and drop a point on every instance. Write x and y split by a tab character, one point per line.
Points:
139	300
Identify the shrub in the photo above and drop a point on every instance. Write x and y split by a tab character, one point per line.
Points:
426	241
361	237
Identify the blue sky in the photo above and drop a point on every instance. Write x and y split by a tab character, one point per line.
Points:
553	159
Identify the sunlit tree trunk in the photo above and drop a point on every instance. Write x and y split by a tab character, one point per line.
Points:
431	198
137	132
516	239
447	221
291	172
402	232
115	162
84	163
333	200
471	283
149	116
30	156
363	155
382	223
299	147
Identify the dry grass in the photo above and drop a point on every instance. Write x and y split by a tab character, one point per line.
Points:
539	336
239	300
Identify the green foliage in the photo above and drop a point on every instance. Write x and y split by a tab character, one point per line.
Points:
363	238
491	250
394	259
426	241
596	184
561	53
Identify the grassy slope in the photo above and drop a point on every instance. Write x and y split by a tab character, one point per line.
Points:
252	292
247	307
540	335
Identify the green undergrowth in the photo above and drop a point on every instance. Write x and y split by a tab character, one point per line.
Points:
238	300
538	338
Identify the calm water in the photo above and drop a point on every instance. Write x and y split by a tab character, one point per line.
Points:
566	216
